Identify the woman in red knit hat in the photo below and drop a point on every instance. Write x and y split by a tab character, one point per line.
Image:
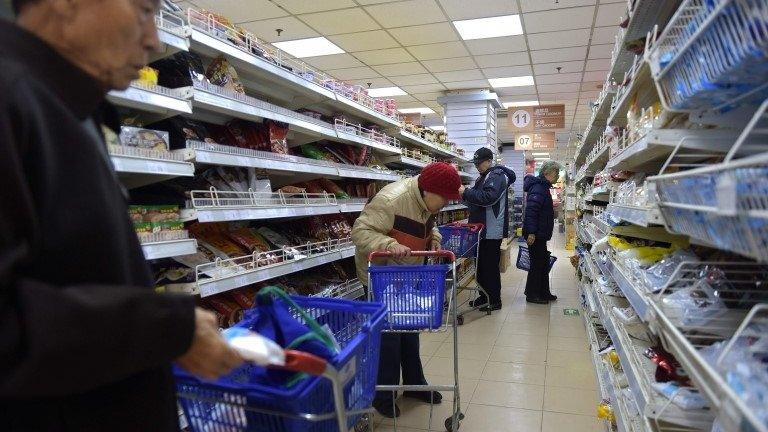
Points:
399	219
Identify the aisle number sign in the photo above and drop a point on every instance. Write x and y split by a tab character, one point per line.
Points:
537	118
534	141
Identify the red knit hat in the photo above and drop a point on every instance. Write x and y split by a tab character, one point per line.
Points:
442	179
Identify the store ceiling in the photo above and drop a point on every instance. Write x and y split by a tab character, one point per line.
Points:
412	44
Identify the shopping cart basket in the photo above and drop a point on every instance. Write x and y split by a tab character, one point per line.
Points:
460	238
413	294
333	398
524	259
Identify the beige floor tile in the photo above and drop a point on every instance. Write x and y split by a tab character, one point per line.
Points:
478	337
581	359
391	428
485	418
466	351
444	366
567	343
522	341
512	395
570	401
559	422
514	372
467	387
574	331
482	324
428	348
528	309
530	327
518	355
523	319
571	376
416	415
434	336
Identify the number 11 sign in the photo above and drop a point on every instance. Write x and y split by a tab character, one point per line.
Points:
536	118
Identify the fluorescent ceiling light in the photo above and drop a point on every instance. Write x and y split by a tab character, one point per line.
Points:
541	154
518	81
386	92
311	47
422	110
437	128
481	28
520	103
540	159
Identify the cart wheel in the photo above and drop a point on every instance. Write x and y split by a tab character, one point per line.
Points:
449	422
363	425
460	319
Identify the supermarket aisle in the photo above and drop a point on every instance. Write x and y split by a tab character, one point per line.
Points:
524	369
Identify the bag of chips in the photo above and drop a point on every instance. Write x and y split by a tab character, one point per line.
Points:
222	74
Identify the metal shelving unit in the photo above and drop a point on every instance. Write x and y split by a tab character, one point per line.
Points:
643	216
154	99
138	167
169	248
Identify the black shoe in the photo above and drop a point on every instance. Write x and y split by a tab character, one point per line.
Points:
478	302
536	300
387	408
551	297
425	396
493	307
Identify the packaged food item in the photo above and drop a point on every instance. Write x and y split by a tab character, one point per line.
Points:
312	152
182	69
667	367
235	178
245	297
142	228
167	225
155	213
313	187
230	311
144	138
213	178
225	245
254	347
148	75
292	190
278	136
222	74
331	187
685	398
249	239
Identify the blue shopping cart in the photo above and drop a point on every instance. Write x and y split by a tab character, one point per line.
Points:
463	239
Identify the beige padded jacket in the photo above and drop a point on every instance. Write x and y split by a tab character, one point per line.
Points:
397	214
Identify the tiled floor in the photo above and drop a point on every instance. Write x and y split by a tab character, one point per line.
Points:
525	368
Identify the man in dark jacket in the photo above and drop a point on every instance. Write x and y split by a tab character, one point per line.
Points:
487	203
538	224
85	343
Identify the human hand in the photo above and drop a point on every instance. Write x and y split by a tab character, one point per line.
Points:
531	238
462	188
399	251
209	356
435	246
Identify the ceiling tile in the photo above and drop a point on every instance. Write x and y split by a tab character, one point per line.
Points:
384	56
438	50
465	75
460	10
505	59
303	6
560	39
592	85
598	64
354	73
610	14
370	2
539	5
375	82
333	61
470	84
424	34
449	64
600	51
340	21
559	55
408	80
515	91
508	71
559	78
364	41
520	98
558	96
390	70
403	99
239	11
556	20
428	96
292	29
596	76
406	13
557	88
604	35
496	45
423	88
551	68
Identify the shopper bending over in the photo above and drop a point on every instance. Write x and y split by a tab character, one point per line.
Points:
401	219
85	343
487	202
538	223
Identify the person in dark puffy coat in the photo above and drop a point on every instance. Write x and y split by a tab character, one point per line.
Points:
538	224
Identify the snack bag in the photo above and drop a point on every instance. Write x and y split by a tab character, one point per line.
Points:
222	74
278	133
148	75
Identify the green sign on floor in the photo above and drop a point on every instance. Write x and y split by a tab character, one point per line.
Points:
570	312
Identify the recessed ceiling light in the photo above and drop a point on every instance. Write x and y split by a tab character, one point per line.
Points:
311	47
421	110
520	103
386	92
541	154
481	28
437	128
518	81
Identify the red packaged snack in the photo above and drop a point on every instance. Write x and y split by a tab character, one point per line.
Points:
245	297
667	367
313	187
278	136
249	239
331	187
227	308
222	74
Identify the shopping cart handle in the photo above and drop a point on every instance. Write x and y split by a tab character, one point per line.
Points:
300	361
440	253
474	227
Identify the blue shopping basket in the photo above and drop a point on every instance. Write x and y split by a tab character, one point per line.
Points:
461	239
413	294
222	405
524	259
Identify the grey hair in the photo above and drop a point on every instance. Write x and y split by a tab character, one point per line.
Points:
549	166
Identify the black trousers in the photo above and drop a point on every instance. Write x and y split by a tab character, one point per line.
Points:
537	285
399	350
488	275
